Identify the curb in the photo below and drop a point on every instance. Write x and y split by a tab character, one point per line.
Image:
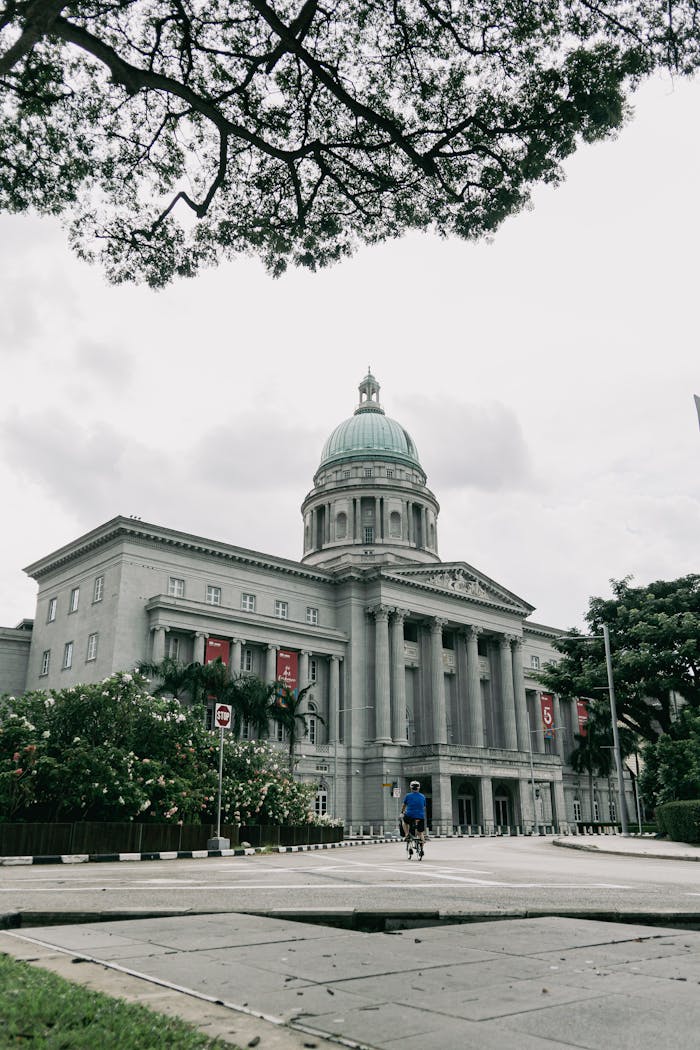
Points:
196	854
624	853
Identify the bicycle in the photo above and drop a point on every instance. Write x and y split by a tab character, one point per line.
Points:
414	845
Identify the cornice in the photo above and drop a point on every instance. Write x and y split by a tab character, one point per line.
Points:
121	528
409	579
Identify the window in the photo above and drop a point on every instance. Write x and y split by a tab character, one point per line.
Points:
91	647
172	649
281	610
389	473
311	614
368	534
246	660
51	613
321	803
341	525
368	472
535	663
280	734
67	655
45	661
346	473
74	599
596	810
577	809
98	588
213	595
395	524
176	587
248	602
313	670
312	725
613	809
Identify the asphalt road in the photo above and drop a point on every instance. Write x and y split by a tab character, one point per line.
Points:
479	876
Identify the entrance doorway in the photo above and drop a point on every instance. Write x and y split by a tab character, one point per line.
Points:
465	810
502	811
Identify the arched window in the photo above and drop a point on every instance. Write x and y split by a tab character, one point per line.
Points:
341	525
395	524
321	802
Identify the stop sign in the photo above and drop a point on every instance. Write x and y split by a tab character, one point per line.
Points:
222	716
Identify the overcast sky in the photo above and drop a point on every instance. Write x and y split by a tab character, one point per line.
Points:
546	378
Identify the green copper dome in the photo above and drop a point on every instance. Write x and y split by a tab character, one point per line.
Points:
369	433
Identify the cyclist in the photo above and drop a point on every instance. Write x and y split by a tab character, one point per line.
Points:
413	813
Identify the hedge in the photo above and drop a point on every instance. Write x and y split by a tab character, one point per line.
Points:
680	820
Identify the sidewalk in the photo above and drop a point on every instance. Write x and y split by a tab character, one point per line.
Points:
633	846
535	984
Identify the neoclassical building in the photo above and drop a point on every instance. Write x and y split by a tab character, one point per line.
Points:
420	668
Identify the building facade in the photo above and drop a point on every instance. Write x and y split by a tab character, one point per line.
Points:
419	668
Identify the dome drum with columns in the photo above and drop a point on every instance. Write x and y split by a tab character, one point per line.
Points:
370	501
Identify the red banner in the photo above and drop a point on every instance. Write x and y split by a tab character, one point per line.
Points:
582	715
288	668
216	649
547	707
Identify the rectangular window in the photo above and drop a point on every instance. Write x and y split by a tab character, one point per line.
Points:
390	473
311	723
346	473
321	803
247	660
91	647
67	655
369	534
577	809
313	670
98	588
213	595
535	663
176	587
368	472
282	610
51	613
311	614
596	810
248	602
172	649
45	661
74	599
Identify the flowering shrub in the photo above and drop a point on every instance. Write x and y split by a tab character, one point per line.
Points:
111	751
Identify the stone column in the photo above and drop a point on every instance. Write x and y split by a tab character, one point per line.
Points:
357	524
424	525
521	719
510	730
377	519
398	678
328	522
236	647
303	668
559	730
475	708
409	521
437	681
486	800
538	735
158	644
271	663
559	816
333	698
199	640
442	804
382	687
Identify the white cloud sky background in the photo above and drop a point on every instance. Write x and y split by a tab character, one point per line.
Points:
546	378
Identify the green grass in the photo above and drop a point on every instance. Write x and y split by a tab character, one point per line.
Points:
39	1009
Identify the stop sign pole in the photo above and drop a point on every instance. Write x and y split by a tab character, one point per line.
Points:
222	718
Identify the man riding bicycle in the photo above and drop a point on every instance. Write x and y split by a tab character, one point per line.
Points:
413	812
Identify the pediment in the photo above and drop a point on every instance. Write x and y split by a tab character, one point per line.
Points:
463	581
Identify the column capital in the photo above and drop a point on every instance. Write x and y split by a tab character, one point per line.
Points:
238	641
379	612
505	640
159	627
517	641
399	615
201	634
335	659
305	652
472	631
270	647
437	623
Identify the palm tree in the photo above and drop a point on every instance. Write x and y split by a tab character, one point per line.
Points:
252	702
594	751
287	712
176	678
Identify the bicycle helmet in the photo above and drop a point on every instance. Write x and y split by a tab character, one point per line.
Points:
415	785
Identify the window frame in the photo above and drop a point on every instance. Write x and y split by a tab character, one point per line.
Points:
312	615
534	662
67	656
212	594
91	651
52	610
247	660
281	609
248	602
45	663
368	533
313	669
176	587
172	648
74	601
98	589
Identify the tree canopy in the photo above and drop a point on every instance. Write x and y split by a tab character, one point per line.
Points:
655	643
172	133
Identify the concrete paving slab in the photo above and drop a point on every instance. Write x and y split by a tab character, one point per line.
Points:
458	1034
619	954
464	979
377	1024
623	1021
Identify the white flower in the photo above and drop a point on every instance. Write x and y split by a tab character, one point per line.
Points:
46	734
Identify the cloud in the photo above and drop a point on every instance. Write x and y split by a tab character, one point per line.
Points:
465	445
258	452
103	363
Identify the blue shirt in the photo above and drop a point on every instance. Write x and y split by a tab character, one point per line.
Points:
415	804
